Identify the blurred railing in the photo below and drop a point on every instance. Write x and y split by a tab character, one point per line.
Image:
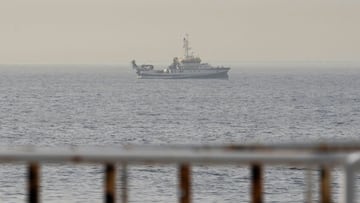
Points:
324	156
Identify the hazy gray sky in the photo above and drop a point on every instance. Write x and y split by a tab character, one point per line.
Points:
116	31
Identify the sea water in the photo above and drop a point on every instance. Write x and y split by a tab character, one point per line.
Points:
107	106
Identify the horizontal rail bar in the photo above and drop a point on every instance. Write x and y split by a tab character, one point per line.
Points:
171	156
331	147
335	147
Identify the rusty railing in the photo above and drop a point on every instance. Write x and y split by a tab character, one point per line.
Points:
323	156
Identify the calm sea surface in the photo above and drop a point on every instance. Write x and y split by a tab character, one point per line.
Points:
107	105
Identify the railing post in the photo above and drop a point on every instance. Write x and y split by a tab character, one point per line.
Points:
349	184
124	183
309	185
109	183
256	180
33	182
184	183
325	184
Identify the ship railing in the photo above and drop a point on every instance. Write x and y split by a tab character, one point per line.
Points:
323	156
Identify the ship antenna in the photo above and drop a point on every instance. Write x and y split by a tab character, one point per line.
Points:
186	46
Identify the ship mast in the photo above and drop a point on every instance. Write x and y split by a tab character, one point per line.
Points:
186	46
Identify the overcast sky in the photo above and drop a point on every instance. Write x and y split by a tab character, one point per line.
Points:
117	31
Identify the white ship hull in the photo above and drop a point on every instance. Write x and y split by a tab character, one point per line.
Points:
205	74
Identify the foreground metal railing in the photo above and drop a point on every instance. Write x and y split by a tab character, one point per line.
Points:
323	156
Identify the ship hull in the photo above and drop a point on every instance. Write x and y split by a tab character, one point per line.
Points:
186	75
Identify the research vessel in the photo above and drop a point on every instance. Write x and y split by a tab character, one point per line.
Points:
189	66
